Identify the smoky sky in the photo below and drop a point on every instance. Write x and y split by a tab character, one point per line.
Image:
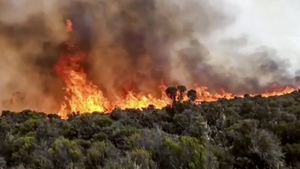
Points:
134	40
130	45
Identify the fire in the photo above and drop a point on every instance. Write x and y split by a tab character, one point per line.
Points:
277	90
81	95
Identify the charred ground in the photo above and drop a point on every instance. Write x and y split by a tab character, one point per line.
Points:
250	132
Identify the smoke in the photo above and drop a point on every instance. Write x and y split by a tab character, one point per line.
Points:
260	48
29	33
134	44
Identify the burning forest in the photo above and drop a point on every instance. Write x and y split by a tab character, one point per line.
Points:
95	56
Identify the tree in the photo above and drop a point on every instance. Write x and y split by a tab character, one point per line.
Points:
192	95
182	89
172	93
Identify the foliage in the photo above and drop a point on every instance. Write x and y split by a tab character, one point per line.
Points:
249	132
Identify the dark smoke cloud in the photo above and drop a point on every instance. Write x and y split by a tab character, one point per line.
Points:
134	44
136	39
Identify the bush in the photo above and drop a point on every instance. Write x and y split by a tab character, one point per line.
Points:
251	132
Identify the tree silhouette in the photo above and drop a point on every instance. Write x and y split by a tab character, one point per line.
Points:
182	89
172	93
192	95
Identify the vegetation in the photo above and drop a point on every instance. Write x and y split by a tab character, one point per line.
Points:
250	132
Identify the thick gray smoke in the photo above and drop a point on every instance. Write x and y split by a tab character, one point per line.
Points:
133	44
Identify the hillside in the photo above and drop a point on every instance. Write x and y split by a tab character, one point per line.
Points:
250	132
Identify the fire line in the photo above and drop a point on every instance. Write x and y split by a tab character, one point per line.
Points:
81	95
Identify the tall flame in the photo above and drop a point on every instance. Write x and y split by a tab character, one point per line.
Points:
81	95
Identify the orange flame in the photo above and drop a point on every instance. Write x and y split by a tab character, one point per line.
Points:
83	96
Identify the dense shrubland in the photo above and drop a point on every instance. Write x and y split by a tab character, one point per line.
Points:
250	132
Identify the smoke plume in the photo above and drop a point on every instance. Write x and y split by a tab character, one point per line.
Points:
131	45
